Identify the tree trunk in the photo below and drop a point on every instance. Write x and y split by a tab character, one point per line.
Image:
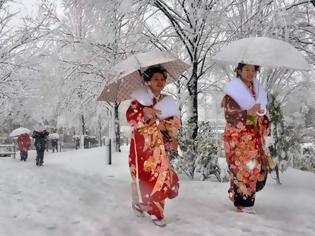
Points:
192	87
192	130
83	124
180	106
117	127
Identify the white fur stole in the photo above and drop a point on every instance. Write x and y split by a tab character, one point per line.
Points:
166	105
241	94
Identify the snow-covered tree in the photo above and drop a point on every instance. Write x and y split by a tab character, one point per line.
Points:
19	45
92	37
194	25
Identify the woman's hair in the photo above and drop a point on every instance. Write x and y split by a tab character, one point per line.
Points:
240	67
148	73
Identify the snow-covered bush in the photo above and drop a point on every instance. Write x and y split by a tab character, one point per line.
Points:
282	142
199	156
306	159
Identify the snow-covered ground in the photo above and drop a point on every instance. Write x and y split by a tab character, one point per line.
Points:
77	193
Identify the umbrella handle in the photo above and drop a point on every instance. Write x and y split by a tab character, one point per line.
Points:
261	113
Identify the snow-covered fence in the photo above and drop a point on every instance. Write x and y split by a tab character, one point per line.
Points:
7	150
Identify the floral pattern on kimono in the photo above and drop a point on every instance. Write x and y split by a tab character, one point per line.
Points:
148	160
244	150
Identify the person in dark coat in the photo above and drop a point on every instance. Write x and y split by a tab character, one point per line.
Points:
40	137
54	145
77	142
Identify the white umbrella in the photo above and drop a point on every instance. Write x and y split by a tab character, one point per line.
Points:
262	51
125	77
53	136
19	131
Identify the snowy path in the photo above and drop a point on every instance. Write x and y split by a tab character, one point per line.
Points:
76	193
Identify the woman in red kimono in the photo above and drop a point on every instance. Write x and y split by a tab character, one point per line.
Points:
247	125
155	120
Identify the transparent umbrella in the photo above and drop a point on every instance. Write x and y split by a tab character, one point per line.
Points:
262	51
53	136
19	131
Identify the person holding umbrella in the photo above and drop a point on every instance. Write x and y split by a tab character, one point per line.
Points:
247	125
245	105
154	179
24	143
40	135
154	118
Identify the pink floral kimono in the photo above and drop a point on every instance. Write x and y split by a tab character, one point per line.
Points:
244	149
153	177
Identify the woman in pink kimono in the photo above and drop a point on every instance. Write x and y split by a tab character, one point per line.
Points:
155	120
247	125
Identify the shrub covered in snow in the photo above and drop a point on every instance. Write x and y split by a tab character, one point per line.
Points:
199	156
280	148
306	158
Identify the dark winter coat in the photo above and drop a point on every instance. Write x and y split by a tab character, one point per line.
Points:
40	140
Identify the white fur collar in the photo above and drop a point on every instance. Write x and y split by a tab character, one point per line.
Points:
166	105
143	95
239	92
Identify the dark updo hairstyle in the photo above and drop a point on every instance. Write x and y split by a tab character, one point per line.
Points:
148	73
240	67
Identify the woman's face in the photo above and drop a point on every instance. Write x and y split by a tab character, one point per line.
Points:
157	83
247	73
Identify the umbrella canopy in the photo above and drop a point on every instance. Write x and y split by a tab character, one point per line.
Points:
19	131
125	77
262	51
53	136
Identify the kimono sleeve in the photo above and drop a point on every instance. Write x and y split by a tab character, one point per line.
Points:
135	115
233	114
171	124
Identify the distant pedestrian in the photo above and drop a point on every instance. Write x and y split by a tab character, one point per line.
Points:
24	143
77	142
54	145
40	137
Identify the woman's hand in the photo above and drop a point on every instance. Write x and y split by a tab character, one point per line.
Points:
253	110
162	127
150	113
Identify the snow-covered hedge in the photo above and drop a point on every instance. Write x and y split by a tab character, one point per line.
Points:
199	157
306	158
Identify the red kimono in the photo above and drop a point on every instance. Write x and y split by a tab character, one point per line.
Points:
244	150
153	177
